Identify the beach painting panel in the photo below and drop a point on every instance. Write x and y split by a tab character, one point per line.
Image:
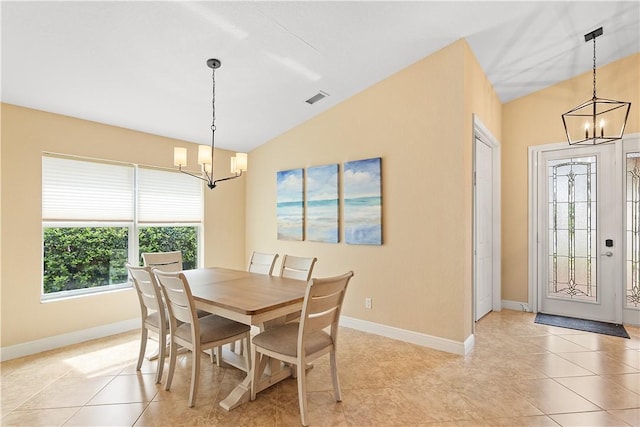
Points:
290	204
322	204
363	202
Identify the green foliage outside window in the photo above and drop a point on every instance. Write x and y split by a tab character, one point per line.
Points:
84	257
88	257
166	239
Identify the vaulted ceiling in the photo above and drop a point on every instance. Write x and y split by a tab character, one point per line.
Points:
142	65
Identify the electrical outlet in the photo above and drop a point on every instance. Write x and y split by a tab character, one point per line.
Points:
367	303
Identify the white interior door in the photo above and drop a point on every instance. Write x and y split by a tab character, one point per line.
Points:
483	229
579	248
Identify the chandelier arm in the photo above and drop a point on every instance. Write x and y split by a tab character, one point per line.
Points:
228	178
207	179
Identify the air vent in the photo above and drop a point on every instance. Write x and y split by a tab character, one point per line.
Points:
317	97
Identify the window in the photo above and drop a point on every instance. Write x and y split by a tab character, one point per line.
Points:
169	214
96	216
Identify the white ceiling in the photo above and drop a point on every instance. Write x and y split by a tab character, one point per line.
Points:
142	65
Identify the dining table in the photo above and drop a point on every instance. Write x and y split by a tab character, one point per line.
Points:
253	299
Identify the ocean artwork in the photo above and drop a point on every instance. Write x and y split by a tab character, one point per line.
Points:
290	204
322	204
363	202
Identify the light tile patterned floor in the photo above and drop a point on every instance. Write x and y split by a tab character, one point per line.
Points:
519	373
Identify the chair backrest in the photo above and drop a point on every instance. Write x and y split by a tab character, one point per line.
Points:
262	263
163	261
298	268
148	291
322	305
177	295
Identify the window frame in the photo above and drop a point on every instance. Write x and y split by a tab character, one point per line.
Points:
133	226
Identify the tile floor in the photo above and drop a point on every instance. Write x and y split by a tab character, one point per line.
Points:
519	374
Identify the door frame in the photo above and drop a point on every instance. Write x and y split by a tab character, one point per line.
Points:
534	153
481	132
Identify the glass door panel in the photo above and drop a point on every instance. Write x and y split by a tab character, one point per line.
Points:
572	229
632	230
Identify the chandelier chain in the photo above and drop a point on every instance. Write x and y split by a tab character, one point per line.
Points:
594	68
213	100
213	122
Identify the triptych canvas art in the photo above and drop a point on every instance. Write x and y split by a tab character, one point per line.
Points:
308	203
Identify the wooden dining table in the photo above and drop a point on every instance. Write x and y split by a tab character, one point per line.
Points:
253	299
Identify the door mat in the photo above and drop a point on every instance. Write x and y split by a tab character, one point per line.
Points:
582	325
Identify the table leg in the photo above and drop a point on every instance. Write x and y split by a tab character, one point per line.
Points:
274	373
239	395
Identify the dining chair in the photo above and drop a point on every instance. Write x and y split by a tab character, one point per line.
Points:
153	314
262	263
300	343
192	332
170	262
163	261
299	268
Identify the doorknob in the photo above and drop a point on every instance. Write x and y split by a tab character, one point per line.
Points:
608	253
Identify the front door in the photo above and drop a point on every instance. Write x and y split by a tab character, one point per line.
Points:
579	218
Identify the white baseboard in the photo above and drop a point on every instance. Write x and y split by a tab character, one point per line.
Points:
57	341
437	343
515	305
50	343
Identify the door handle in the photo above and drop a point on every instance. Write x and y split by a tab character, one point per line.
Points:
608	254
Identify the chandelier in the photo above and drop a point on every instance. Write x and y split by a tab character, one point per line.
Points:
206	153
598	120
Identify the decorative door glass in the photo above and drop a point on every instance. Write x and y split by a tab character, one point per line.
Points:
572	229
632	258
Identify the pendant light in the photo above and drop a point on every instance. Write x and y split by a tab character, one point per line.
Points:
598	120
206	153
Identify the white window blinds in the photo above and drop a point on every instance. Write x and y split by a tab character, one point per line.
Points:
84	190
168	197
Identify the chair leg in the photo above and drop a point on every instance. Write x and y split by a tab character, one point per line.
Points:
302	391
334	376
143	346
173	353
162	348
195	377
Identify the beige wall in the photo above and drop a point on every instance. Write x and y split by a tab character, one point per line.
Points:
420	122
25	135
536	120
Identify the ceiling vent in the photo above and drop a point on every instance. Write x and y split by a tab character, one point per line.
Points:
317	97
